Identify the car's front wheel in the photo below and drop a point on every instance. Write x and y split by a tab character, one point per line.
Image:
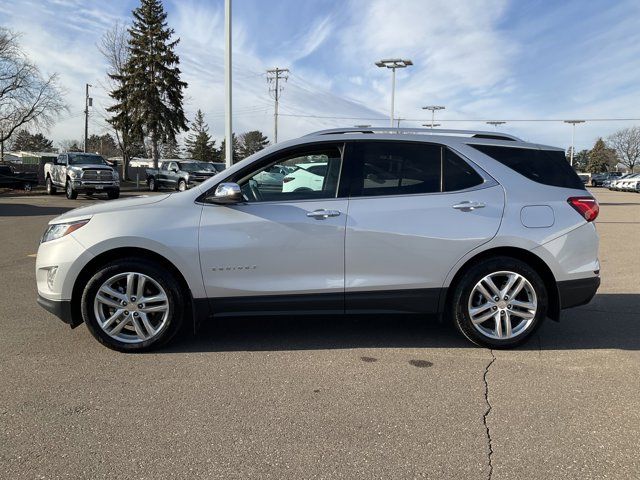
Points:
499	302
182	186
51	189
71	193
132	305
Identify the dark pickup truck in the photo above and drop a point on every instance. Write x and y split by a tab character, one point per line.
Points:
9	178
181	174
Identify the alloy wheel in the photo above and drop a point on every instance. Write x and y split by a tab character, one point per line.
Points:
131	307
502	305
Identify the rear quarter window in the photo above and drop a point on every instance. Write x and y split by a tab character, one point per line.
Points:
548	167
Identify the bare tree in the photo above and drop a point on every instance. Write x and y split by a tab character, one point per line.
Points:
26	96
626	143
115	49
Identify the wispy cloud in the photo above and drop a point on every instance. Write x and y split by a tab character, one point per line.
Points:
480	58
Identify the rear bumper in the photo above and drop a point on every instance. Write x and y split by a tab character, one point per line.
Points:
574	293
60	308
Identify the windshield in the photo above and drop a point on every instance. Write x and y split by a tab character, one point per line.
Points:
197	167
81	159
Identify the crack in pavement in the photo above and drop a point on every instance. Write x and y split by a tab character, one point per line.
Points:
486	413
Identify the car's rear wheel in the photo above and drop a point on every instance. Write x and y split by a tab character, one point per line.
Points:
51	189
499	302
132	305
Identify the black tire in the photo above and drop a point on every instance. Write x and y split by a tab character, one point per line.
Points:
182	186
70	192
27	187
51	189
463	290
152	270
153	186
113	194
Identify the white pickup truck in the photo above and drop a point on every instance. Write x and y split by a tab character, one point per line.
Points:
81	172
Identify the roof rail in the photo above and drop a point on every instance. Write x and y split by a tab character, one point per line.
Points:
422	131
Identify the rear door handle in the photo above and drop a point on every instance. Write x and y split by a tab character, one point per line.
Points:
468	206
323	214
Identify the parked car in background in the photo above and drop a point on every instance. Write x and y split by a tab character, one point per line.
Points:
81	172
306	176
584	177
614	184
629	183
600	179
179	174
10	178
482	229
219	166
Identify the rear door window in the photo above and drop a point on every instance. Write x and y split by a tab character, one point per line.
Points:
404	168
549	167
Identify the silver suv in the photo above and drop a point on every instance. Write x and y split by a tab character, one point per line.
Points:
478	228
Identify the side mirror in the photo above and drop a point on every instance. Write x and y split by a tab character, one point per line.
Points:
227	193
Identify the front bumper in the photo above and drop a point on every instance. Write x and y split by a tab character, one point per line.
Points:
86	185
60	308
574	293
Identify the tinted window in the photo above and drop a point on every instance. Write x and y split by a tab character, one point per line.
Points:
457	173
304	175
548	167
395	168
85	159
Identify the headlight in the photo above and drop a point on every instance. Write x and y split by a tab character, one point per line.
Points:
59	230
71	174
115	175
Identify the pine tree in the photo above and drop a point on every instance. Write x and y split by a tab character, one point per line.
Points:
171	149
236	150
32	142
601	158
252	142
152	88
198	144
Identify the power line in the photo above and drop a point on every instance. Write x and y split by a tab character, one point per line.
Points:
462	119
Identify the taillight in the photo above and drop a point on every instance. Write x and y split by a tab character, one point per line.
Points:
287	179
586	206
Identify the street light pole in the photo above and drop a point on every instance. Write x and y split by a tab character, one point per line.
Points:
228	130
433	109
573	136
393	63
88	101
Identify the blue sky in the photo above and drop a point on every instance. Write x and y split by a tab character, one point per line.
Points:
481	59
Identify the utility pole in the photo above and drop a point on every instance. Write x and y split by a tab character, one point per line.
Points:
1	145
88	102
393	63
495	123
274	75
228	130
573	136
433	109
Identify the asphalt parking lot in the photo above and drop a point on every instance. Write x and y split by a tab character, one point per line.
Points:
301	398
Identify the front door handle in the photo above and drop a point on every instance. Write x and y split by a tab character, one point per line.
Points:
323	214
468	206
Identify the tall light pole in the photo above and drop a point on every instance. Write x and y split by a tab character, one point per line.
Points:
88	101
433	109
393	63
275	75
573	136
495	123
228	130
